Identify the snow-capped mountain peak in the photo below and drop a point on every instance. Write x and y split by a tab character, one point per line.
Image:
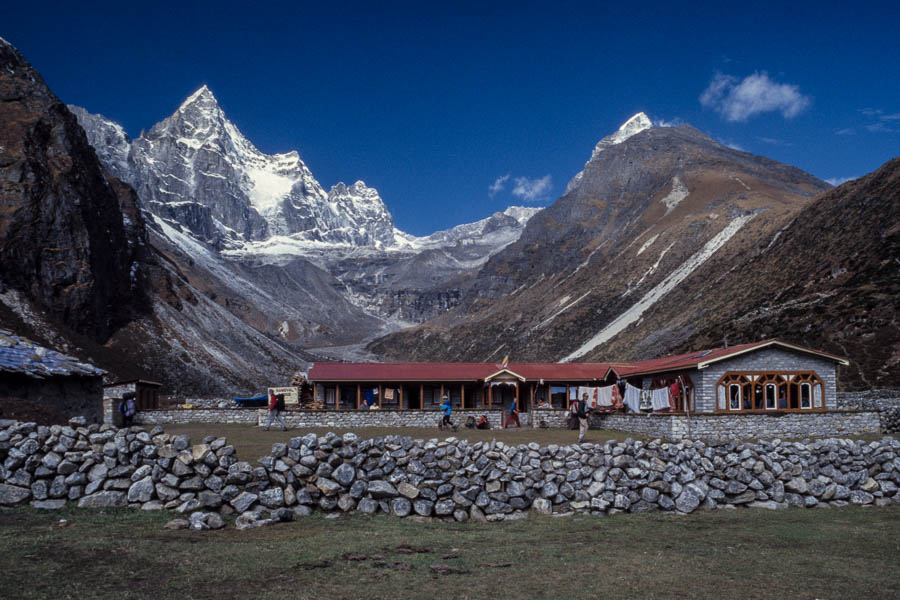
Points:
629	128
632	126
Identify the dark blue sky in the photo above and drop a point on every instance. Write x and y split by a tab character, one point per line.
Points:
432	102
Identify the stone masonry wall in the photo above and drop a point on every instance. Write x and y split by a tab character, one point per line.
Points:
247	416
453	480
767	359
869	400
314	418
747	426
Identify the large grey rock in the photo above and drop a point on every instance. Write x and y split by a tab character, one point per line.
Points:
797	485
423	507
407	490
379	489
400	507
272	497
244	501
861	497
54	504
142	490
105	499
690	498
542	505
444	507
344	474
367	505
327	486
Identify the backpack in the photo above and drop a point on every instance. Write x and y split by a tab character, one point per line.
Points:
279	402
122	407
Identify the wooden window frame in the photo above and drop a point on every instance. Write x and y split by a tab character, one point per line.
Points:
787	385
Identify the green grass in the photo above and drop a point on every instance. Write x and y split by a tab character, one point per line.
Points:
252	443
796	553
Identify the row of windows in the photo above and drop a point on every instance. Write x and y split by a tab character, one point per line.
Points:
770	391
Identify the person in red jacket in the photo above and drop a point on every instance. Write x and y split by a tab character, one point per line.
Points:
276	407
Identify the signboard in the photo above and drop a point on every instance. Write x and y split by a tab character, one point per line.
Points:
291	397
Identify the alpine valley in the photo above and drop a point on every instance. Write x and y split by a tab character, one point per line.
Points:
189	257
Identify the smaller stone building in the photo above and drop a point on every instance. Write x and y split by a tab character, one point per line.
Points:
146	397
33	373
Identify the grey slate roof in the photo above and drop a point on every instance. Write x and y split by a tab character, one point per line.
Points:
22	356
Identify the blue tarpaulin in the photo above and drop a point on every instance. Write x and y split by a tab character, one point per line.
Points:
254	401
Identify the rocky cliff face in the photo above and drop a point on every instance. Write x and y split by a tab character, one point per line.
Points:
71	238
80	271
830	279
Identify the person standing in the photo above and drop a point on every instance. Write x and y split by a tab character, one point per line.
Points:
447	410
128	409
276	407
581	411
513	415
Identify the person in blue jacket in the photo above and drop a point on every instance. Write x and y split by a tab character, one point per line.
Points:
447	410
513	415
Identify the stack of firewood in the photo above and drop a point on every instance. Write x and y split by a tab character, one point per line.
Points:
305	393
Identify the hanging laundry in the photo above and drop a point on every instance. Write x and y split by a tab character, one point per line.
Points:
632	398
674	394
604	395
617	397
591	393
660	399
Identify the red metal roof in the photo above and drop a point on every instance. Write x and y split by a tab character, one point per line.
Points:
474	372
328	371
702	359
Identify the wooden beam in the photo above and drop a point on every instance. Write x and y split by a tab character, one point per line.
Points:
380	393
462	396
358	395
400	396
490	397
337	397
421	396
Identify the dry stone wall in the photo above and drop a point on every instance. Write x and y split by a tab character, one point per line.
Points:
314	418
451	479
748	426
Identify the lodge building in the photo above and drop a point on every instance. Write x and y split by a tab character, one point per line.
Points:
769	376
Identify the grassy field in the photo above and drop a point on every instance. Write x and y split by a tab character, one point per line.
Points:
252	443
835	553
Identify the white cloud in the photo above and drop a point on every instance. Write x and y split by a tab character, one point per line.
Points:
738	100
883	122
532	190
732	145
664	123
845	131
836	181
498	185
774	141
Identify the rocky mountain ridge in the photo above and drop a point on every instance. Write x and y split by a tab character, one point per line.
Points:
80	268
197	174
627	264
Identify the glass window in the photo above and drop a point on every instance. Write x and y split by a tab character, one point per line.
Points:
805	395
558	396
734	391
771	389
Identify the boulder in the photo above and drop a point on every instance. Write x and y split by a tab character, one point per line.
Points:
141	490
105	499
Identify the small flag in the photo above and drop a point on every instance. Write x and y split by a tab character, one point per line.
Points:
505	362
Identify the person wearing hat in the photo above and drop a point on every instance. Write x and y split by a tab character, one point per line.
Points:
447	410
